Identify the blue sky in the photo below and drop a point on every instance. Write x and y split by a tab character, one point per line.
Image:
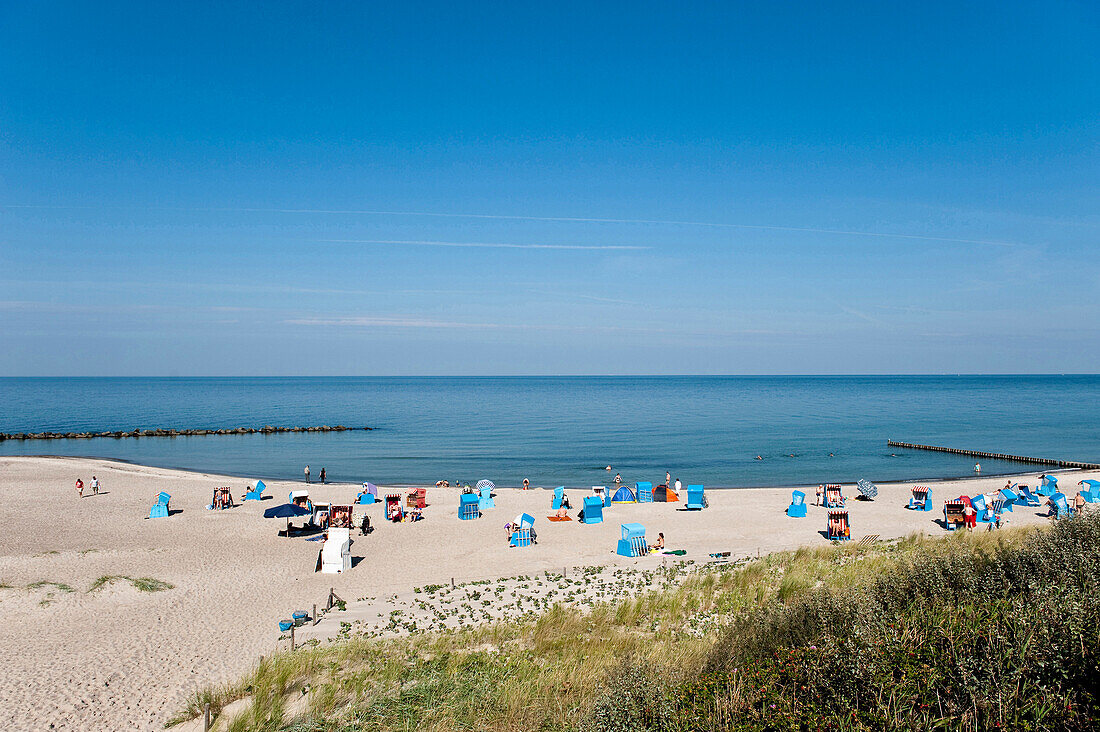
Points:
549	188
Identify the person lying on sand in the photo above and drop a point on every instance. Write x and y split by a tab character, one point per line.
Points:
442	484
562	512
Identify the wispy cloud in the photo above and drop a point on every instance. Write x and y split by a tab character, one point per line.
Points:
557	219
370	321
479	245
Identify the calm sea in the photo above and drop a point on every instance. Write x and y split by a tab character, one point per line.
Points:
565	430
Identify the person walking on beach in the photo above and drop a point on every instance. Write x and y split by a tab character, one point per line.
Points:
95	486
307	474
80	487
819	487
1079	503
322	476
677	488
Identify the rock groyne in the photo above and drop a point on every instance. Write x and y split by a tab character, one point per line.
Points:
162	432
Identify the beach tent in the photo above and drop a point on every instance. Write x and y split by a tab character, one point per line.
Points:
485	488
1091	491
368	495
559	497
837	529
632	541
1049	486
257	493
664	494
336	551
160	507
593	510
469	507
287	511
797	509
643	491
921	499
696	499
624	495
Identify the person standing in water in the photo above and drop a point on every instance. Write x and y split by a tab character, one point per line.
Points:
668	479
322	476
306	471
618	479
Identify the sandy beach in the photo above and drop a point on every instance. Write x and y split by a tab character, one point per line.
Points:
115	657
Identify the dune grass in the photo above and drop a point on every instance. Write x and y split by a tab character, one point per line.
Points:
552	671
142	584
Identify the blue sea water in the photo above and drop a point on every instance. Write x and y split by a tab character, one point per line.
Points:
565	430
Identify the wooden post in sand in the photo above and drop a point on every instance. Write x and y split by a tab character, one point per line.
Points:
206	718
292	637
315	613
452	583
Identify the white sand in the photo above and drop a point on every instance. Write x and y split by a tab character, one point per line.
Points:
118	658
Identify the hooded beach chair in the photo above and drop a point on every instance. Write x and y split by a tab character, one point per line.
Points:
257	493
368	495
921	499
982	511
1090	490
953	516
559	497
523	531
1027	498
837	529
486	499
160	508
394	510
1061	506
1010	498
632	541
833	497
643	491
797	509
1049	486
417	498
336	551
593	510
624	495
696	498
469	506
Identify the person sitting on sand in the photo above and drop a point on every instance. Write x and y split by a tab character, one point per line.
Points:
442	484
660	543
80	487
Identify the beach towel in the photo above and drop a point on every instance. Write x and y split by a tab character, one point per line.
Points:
676	552
558	518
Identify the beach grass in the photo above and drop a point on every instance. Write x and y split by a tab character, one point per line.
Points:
563	668
142	584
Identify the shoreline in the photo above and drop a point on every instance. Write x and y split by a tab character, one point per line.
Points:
779	486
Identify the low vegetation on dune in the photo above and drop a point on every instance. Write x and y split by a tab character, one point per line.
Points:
997	630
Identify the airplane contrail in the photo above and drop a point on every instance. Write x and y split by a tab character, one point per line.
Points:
478	245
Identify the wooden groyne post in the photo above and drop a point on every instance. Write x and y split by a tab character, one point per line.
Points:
996	455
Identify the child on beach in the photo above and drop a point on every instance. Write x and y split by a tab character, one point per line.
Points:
80	487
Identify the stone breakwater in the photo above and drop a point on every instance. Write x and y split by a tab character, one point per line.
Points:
160	432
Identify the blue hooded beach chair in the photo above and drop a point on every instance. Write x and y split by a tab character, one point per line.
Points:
593	510
696	498
257	493
643	491
368	495
1090	490
632	541
160	508
1010	498
1027	498
486	500
1049	486
559	496
1061	506
984	513
469	507
797	509
524	534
